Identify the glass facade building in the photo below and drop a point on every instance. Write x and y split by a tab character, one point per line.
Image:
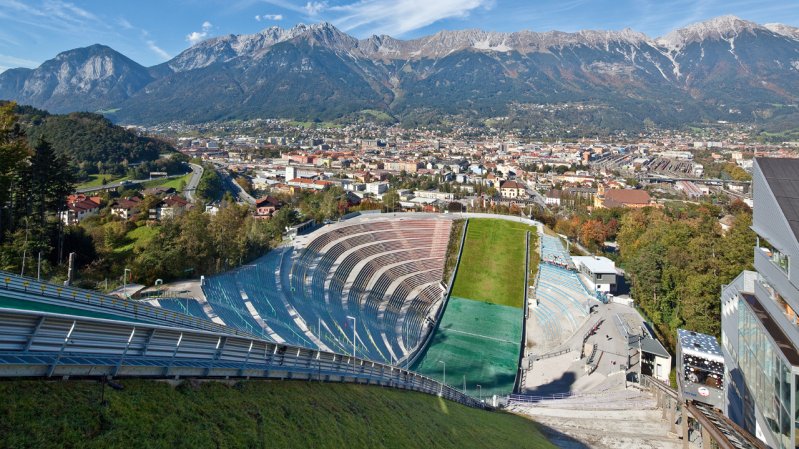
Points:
759	323
768	375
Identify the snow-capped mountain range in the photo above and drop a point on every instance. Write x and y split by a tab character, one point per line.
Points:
722	68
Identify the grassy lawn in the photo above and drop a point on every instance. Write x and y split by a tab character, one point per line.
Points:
138	238
175	183
492	264
252	414
97	180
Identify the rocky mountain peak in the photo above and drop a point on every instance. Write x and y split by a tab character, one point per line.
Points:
718	28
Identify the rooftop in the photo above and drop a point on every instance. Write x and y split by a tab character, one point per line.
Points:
596	264
620	197
698	344
782	176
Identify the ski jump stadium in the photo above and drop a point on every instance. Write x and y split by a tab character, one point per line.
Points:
484	310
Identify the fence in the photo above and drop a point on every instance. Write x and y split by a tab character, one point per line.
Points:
43	292
43	344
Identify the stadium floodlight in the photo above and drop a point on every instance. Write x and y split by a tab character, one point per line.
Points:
354	335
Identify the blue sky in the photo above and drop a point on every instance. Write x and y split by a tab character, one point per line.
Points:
151	32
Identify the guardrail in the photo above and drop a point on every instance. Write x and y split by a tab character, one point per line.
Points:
30	289
715	427
43	344
532	399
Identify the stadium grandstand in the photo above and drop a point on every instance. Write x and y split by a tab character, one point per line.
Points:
367	286
48	330
562	302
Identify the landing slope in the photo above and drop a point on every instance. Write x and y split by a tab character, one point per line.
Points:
492	264
479	337
248	414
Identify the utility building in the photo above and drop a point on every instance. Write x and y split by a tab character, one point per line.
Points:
700	368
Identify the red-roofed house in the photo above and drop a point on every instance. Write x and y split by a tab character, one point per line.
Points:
169	207
126	207
311	184
79	207
266	207
631	198
512	189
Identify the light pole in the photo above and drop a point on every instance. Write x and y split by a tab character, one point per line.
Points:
480	392
125	282
464	384
354	328
441	390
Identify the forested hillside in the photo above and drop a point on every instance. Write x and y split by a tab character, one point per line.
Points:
92	142
676	258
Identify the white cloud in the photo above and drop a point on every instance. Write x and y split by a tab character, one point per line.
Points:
158	50
197	36
8	61
124	23
266	17
314	8
397	17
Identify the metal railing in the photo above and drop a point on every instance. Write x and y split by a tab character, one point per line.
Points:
725	433
43	344
30	289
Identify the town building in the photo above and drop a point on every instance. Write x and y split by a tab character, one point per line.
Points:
630	198
125	208
434	194
653	359
169	207
599	273
80	207
266	207
553	197
512	190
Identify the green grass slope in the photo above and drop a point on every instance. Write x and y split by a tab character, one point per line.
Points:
255	414
492	263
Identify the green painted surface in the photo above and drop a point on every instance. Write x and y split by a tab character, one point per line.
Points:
481	330
478	340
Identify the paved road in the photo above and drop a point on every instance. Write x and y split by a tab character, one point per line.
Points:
234	188
191	186
128	182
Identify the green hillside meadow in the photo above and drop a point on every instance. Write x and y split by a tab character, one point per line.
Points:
252	414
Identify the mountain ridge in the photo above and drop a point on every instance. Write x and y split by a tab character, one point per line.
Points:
717	69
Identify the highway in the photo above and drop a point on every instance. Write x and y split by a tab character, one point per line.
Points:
234	188
191	186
